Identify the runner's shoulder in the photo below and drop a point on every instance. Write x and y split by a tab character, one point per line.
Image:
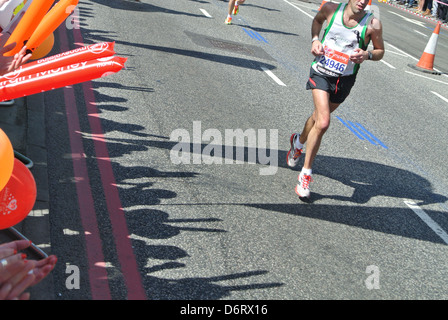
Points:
375	24
331	6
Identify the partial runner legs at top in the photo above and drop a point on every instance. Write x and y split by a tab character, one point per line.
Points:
234	8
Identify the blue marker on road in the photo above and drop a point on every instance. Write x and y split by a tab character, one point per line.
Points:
362	133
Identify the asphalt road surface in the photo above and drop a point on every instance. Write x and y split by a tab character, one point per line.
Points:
169	181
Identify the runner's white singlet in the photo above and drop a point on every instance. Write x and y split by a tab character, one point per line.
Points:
338	42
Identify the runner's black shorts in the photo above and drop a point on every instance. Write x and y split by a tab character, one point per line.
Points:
338	87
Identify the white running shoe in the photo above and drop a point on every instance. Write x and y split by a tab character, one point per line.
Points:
7	103
292	158
303	186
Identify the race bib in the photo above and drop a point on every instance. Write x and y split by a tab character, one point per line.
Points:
333	61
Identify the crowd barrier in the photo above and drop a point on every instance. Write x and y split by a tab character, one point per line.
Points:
31	23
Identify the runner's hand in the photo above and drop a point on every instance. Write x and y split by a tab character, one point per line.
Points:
316	48
11	63
359	56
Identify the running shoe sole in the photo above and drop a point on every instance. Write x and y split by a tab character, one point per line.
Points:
7	103
303	198
291	141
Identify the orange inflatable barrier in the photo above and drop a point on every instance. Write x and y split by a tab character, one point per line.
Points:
44	48
18	197
86	53
50	22
60	77
29	22
6	159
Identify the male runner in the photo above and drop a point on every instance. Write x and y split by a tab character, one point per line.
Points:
234	7
333	73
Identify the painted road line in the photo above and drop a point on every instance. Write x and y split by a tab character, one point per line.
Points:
99	286
361	132
401	51
364	131
377	141
126	257
419	75
397	53
440	96
249	33
427	220
387	64
350	128
421	33
412	57
255	35
304	12
206	13
365	136
273	76
417	22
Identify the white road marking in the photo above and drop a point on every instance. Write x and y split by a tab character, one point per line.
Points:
414	58
206	13
396	53
273	76
387	64
440	96
419	75
305	13
401	51
421	33
417	22
427	219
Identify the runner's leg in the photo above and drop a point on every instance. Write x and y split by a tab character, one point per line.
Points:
231	6
316	125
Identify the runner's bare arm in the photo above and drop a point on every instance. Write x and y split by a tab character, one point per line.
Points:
324	14
375	33
376	36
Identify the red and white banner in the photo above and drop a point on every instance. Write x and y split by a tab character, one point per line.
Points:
59	77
